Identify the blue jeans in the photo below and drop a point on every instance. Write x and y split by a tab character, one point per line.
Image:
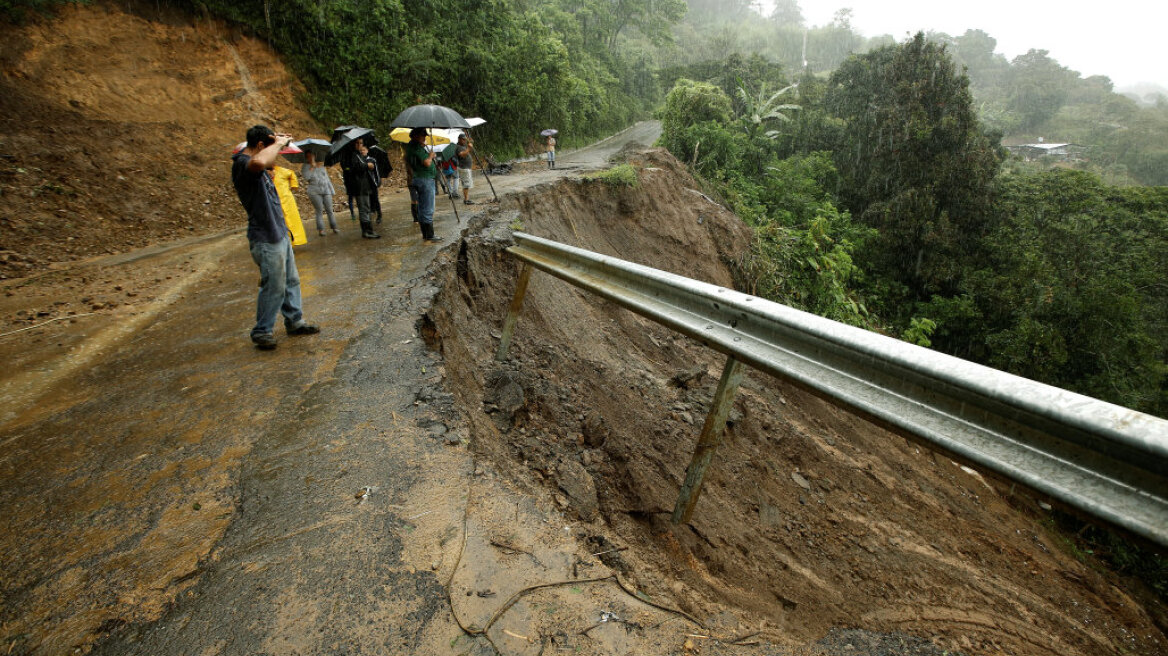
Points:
279	286
425	187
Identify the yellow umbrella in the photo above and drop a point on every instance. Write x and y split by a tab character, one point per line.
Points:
436	138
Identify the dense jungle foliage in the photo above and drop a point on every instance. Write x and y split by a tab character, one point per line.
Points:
1125	137
880	199
522	65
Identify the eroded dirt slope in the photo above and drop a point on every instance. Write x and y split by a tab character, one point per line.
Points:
116	125
811	518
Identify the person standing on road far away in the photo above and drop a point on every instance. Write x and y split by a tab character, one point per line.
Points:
285	181
374	183
320	191
465	177
359	184
550	146
267	235
424	174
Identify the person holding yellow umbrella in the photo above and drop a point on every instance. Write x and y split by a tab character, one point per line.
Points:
435	137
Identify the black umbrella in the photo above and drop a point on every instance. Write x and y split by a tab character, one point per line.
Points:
318	147
382	158
432	116
346	139
429	116
342	129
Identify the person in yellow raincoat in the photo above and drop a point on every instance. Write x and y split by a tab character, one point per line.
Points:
285	181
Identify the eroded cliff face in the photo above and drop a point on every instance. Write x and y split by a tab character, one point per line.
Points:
810	518
118	126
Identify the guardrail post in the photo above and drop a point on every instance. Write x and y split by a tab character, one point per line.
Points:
709	441
513	313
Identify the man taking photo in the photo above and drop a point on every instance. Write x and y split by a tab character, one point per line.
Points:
267	235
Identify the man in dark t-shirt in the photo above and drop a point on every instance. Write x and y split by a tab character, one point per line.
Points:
267	235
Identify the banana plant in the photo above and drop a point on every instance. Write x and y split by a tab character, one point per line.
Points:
758	111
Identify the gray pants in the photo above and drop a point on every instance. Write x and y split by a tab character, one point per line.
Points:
323	203
363	212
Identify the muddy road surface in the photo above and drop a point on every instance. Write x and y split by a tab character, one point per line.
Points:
385	487
170	489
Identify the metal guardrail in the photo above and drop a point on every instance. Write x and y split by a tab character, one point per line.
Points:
1104	460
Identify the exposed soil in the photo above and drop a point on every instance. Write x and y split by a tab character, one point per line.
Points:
811	518
116	127
167	490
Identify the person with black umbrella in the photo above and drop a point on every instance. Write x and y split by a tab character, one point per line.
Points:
424	174
384	168
267	236
359	184
374	183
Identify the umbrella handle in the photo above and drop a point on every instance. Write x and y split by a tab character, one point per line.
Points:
475	153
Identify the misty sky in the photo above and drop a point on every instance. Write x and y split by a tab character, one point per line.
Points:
1122	39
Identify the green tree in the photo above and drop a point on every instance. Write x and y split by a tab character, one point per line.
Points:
1037	87
787	13
802	250
760	109
914	162
518	64
603	21
1072	292
694	127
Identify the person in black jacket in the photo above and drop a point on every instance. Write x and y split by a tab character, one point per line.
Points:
374	183
378	174
359	184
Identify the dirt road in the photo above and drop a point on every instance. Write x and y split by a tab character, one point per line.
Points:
170	489
386	487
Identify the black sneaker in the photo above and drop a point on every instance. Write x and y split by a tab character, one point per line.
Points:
264	342
432	239
370	235
468	202
303	329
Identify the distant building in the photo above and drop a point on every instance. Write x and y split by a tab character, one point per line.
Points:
1066	152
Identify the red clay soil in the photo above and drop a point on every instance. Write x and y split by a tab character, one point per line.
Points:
811	517
116	130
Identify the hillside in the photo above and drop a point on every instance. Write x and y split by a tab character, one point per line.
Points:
116	126
170	490
814	519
